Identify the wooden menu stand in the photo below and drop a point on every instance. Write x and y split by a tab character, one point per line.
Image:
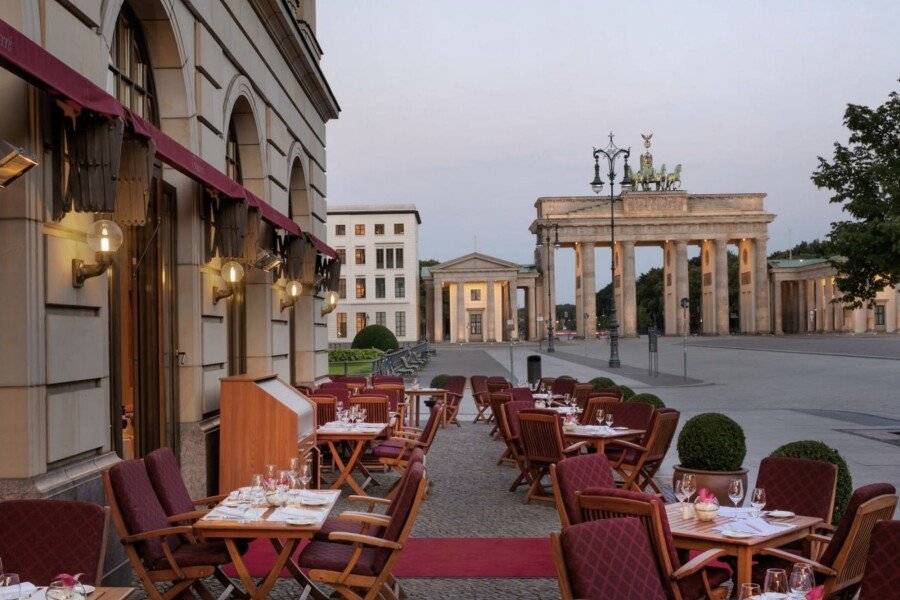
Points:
263	421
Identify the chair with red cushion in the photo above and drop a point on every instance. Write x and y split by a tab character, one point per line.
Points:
495	383
521	394
577	474
157	551
806	487
376	405
326	409
41	538
497	400
637	463
563	385
396	451
697	578
881	581
481	395
377	379
581	393
511	434
542	446
456	387
350	379
359	565
338	390
839	567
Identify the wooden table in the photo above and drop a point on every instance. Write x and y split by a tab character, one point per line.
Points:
284	538
417	393
693	534
110	593
358	437
600	435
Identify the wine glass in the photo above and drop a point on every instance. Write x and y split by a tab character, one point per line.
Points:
599	417
775	582
688	485
609	419
736	491
748	591
306	473
801	580
295	465
12	584
284	480
256	488
758	500
679	491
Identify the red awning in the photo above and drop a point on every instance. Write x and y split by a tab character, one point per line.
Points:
32	63
321	246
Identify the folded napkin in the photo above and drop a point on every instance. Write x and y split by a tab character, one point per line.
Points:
13	592
284	513
816	593
233	513
753	526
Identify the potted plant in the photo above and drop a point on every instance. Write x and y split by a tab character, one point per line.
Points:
816	450
712	447
651	399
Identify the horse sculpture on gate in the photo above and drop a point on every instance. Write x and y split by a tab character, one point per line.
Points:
646	178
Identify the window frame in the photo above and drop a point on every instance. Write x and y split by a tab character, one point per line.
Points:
399	228
365	321
380	291
400	323
340	229
342	288
359	256
359	229
399	287
360	284
379	258
341	324
379	229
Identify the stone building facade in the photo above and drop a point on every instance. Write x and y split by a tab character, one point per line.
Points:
132	360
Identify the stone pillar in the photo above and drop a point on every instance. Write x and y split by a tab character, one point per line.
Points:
513	312
628	317
258	321
811	321
746	286
721	285
707	287
437	331
589	289
670	292
761	286
461	325
550	283
890	313
839	324
802	318
532	316
429	310
683	318
779	327
860	319
490	326
828	305
579	293
617	286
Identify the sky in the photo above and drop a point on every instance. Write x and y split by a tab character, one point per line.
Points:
472	109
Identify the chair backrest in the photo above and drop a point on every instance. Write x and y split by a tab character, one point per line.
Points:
338	390
378	379
417	456
456	384
135	507
326	409
165	477
577	474
41	538
431	425
847	550
594	404
354	379
806	487
521	394
510	412
478	383
879	581
563	385
405	507
497	383
396	393
581	393
376	405
498	399
635	415
612	559
659	438
541	436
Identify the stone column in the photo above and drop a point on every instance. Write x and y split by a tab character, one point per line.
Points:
513	310
670	292
890	313
721	286
532	316
429	310
683	318
490	327
811	324
779	330
461	329
437	334
802	319
747	275
828	305
258	321
550	283
860	319
579	293
628	318
589	289
707	287
761	286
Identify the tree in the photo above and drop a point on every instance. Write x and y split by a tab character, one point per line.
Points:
864	177
814	249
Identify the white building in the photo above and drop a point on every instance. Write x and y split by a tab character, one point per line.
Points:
379	249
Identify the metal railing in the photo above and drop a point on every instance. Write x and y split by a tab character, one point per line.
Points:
405	361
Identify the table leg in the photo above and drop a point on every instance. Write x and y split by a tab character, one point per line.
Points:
241	568
294	568
347	468
744	566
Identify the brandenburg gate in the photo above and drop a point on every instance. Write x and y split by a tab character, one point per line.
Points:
671	220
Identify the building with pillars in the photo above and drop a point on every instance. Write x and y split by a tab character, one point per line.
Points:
670	221
805	299
474	298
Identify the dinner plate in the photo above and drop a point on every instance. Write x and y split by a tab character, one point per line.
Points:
780	514
300	521
737	535
307	501
620	428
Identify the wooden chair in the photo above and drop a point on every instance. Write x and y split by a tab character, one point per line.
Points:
577	474
158	552
542	446
497	400
395	452
594	404
41	538
696	579
839	567
510	432
358	566
879	580
456	386
638	463
377	406
338	390
581	393
806	487
326	408
563	385
545	383
481	396
378	379
396	400
497	383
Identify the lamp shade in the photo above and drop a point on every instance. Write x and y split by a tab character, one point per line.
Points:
232	272
293	288
105	236
13	163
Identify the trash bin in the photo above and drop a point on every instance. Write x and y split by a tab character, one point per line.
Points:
534	369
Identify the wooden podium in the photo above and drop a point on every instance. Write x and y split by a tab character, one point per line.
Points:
263	421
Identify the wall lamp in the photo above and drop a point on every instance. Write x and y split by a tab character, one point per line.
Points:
13	163
292	291
331	302
232	272
104	239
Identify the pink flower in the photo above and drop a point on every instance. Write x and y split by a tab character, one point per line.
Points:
68	580
816	593
704	495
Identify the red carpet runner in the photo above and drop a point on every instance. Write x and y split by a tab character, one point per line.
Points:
447	558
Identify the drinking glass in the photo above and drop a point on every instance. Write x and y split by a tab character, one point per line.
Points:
748	591
295	465
801	580
256	488
284	480
736	491
758	500
679	491
776	582
13	584
362	415
609	419
306	473
599	417
688	485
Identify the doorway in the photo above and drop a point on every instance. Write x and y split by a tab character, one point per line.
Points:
476	326
143	325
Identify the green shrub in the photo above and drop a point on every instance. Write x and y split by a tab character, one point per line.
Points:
627	392
439	381
359	354
375	336
602	383
815	450
650	399
711	442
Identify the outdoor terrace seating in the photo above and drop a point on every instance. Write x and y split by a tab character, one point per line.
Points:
542	446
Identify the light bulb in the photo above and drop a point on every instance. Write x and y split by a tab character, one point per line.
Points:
294	288
105	236
232	272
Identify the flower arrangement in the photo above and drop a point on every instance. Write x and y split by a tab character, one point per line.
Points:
706	506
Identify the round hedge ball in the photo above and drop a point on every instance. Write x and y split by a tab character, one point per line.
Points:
651	399
375	336
602	383
627	392
712	442
816	450
439	381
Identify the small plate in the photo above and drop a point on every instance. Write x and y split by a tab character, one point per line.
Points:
737	535
300	521
307	501
620	428
780	514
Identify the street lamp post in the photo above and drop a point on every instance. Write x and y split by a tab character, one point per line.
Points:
611	153
543	235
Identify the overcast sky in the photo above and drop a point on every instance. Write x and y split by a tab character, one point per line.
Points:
471	109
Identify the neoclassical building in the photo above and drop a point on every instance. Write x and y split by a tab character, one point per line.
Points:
474	298
199	130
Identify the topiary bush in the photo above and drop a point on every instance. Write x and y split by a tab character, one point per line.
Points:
375	336
626	391
711	442
602	383
439	381
651	399
815	450
344	355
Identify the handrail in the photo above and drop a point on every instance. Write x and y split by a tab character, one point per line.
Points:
408	357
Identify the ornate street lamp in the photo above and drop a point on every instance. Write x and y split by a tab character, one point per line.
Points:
611	153
544	239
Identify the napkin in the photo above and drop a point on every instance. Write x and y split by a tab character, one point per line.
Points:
13	592
284	513
816	593
229	513
740	512
753	526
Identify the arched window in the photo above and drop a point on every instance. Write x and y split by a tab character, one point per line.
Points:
233	155
131	76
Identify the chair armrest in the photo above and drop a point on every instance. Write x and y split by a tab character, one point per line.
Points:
574	447
365	517
783	555
826	527
191	515
371	500
157	533
625	444
366	540
697	563
408	442
818	537
209	500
